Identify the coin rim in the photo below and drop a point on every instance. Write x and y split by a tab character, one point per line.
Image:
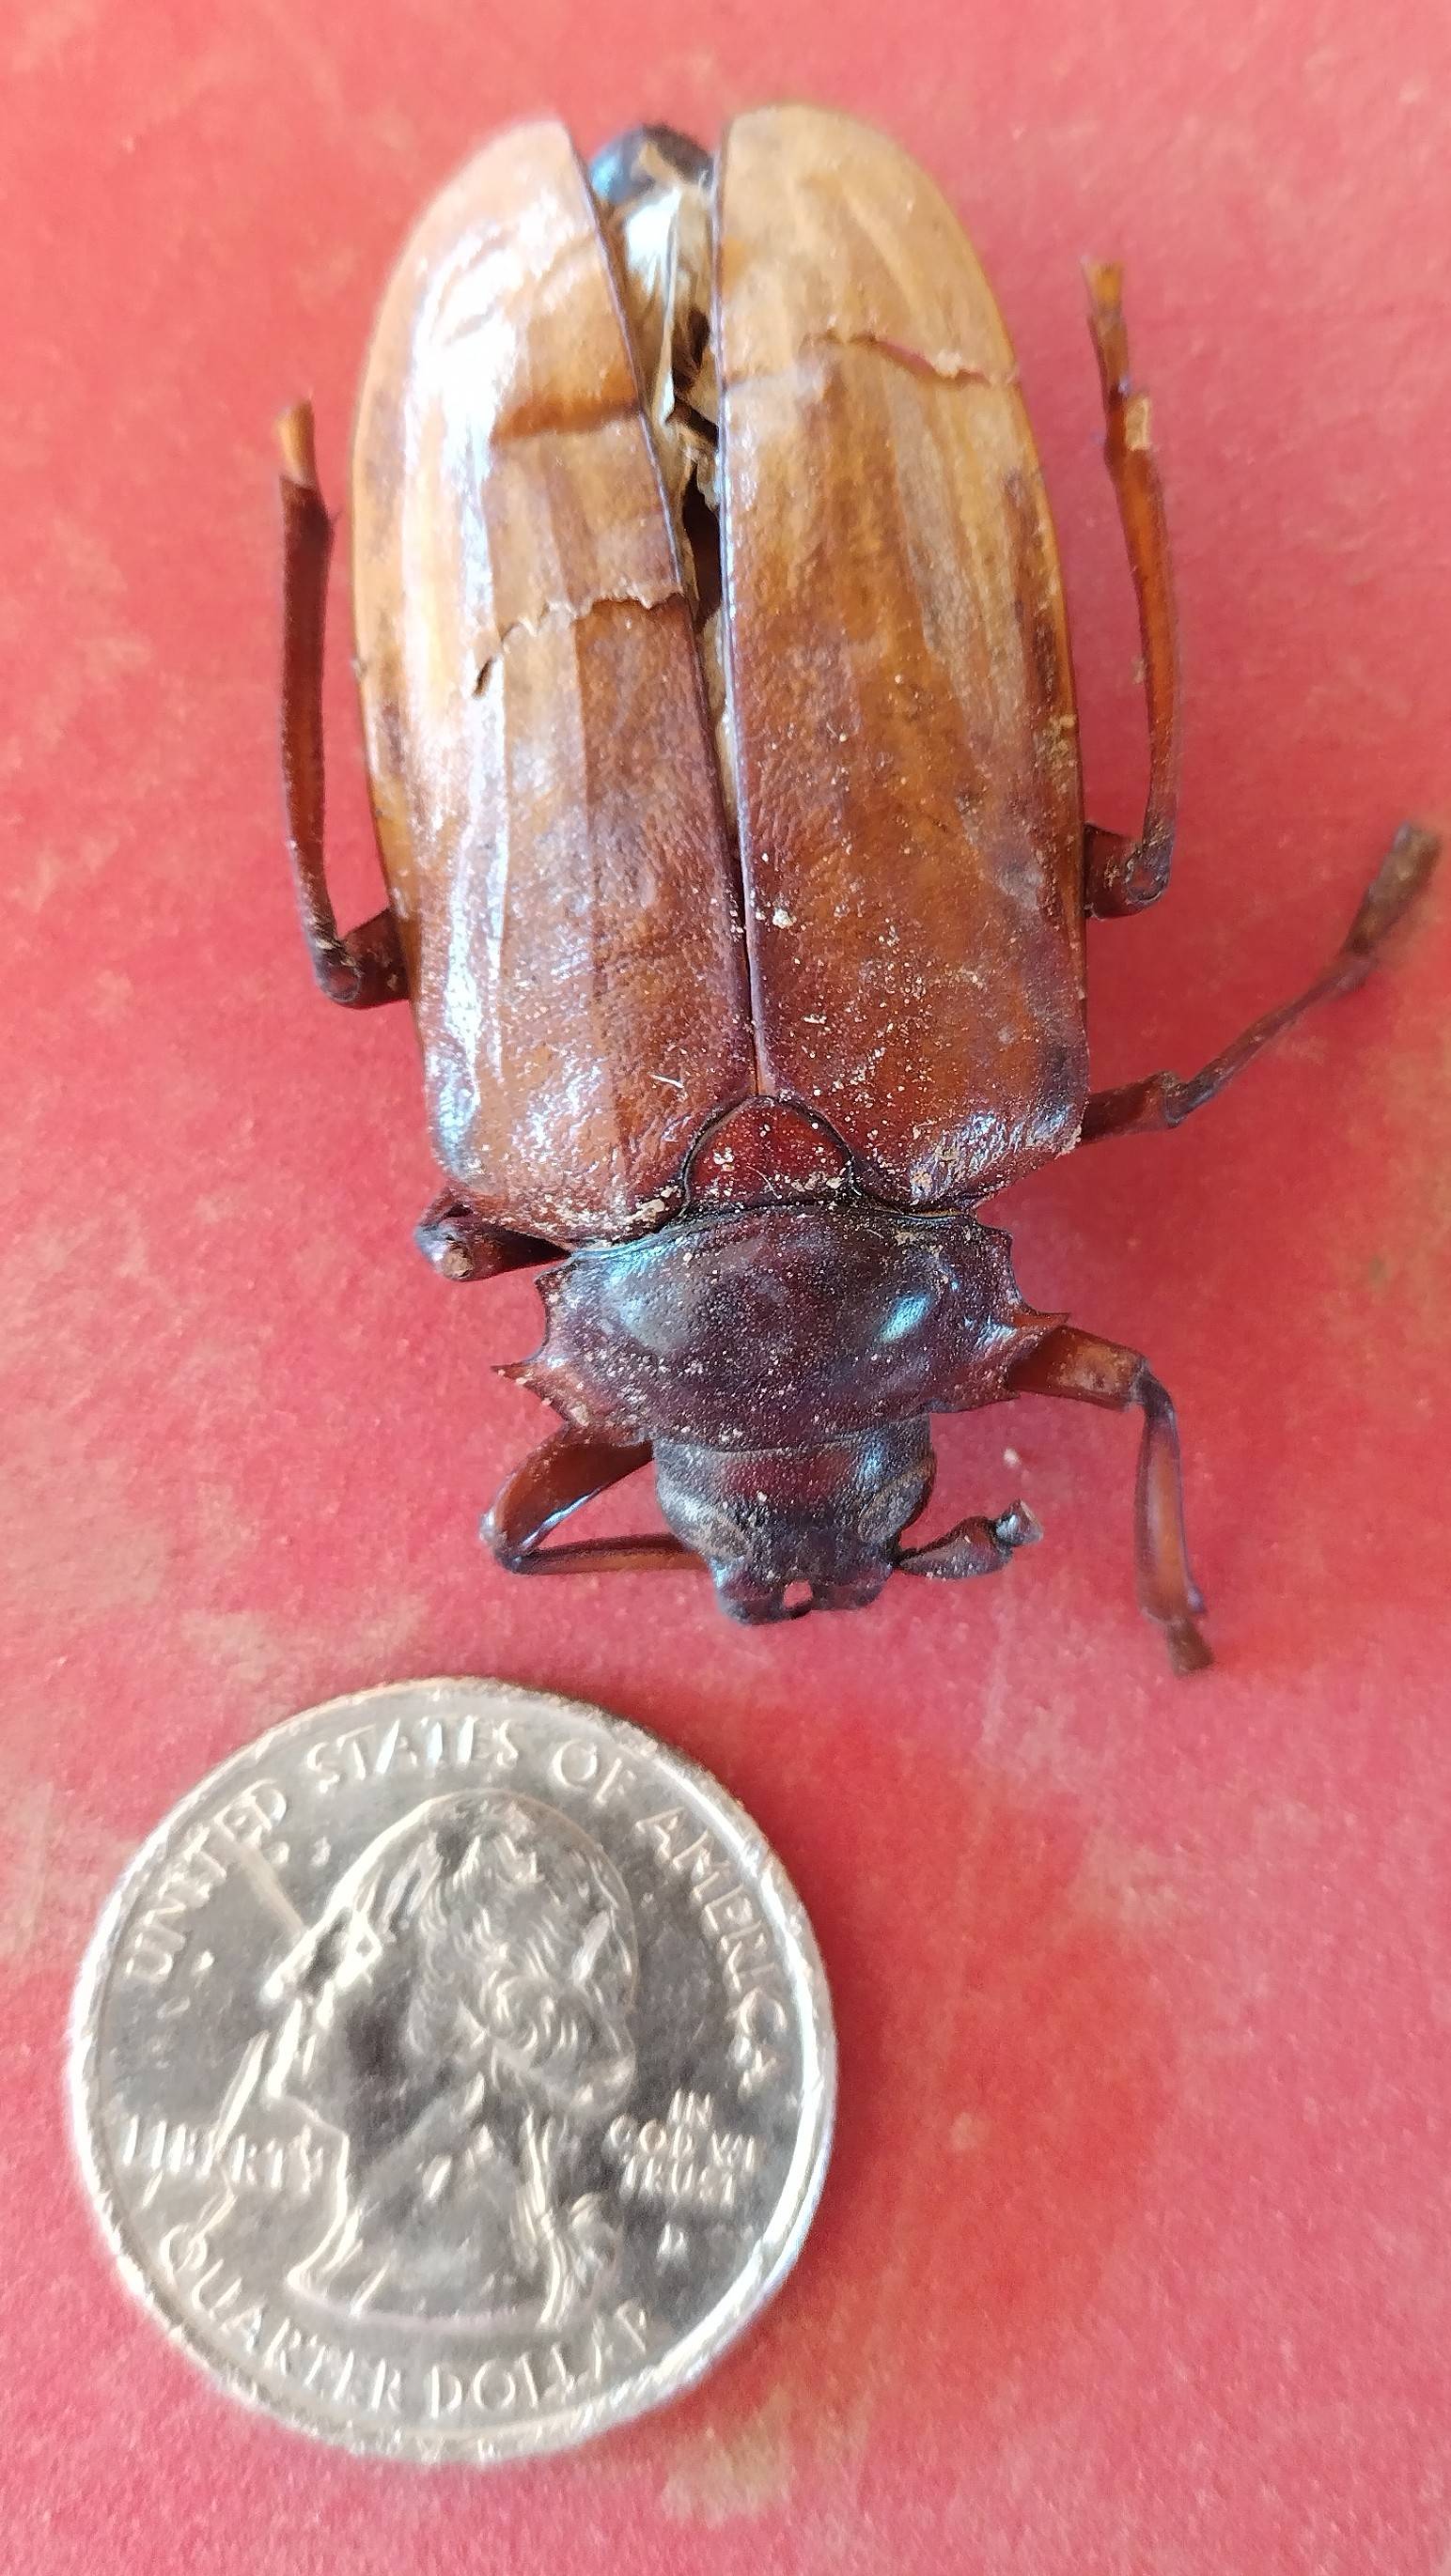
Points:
766	2265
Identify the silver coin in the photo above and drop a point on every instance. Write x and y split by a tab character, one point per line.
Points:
453	2072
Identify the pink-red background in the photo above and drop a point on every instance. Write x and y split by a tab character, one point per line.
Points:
1134	2254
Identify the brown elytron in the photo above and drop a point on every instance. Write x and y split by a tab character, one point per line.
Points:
720	725
547	799
908	759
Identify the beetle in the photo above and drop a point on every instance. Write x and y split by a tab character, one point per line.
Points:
720	731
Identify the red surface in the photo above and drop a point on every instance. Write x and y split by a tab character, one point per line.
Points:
1134	2252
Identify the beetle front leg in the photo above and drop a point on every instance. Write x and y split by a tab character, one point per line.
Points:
366	967
555	1479
1122	875
1164	1100
976	1546
1090	1371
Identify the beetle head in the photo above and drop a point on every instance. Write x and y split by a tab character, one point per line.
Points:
823	1521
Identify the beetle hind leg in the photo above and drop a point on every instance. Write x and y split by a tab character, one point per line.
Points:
1121	875
1165	1100
365	967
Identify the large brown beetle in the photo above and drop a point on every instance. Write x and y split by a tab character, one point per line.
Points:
721	736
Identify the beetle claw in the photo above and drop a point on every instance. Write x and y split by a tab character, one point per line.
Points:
1189	1652
1402	876
1017	1526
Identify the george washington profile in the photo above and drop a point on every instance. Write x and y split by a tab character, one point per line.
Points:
457	2015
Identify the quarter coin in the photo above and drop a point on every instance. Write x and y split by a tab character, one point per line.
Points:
452	2072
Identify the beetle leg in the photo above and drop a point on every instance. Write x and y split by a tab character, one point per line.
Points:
974	1547
1163	1100
366	967
565	1471
1122	875
454	1238
1090	1371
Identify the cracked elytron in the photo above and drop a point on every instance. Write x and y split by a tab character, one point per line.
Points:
721	734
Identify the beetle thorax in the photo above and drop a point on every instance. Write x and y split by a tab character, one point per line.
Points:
781	1362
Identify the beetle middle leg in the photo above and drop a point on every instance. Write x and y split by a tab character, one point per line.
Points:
460	1244
565	1471
1122	875
365	967
1090	1371
1164	1100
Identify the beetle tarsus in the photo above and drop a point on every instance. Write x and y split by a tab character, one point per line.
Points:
1189	1650
1017	1526
1398	884
1166	1099
976	1546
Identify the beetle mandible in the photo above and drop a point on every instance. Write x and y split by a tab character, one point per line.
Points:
720	731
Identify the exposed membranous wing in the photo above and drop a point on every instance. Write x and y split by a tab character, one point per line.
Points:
657	194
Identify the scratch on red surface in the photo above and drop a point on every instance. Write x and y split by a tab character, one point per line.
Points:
45	33
742	2470
74	1537
1001	2099
1039	2049
56	1868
